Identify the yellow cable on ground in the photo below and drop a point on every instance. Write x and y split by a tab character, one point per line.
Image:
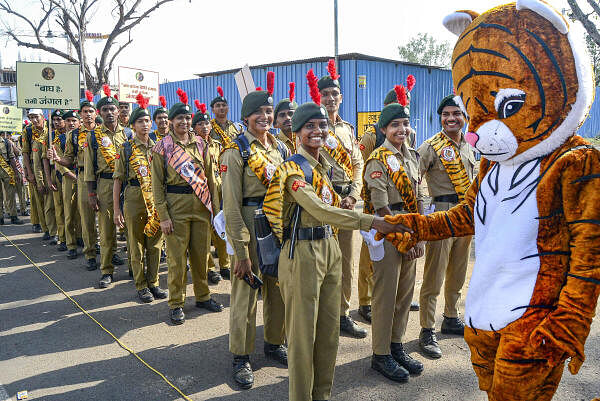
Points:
125	347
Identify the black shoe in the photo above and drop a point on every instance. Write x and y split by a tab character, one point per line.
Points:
62	247
453	325
158	292
145	295
36	228
429	345
1	221
387	366
106	281
117	260
413	366
214	277
225	273
365	312
72	254
15	220
97	249
121	237
80	242
53	241
177	316
276	352
414	306
349	326
163	256
210	305
91	264
46	236
242	371
130	272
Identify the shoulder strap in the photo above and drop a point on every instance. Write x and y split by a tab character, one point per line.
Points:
152	136
62	138
128	133
94	149
29	132
304	165
243	146
128	152
282	148
379	136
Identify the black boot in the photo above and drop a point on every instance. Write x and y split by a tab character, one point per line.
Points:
117	260
349	326
414	306
15	220
2	220
276	352
46	236
61	247
429	345
387	366
105	281
145	295
453	325
91	264
365	312
210	305
225	273
177	316
413	366
242	371
80	242
158	292
36	228
53	240
214	277
72	254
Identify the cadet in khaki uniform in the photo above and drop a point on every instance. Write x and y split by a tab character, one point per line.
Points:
311	295
9	176
446	260
391	187
54	178
243	193
282	116
161	119
99	169
132	168
347	182
185	217
36	224
201	126
20	183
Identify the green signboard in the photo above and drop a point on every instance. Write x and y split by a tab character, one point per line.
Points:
47	85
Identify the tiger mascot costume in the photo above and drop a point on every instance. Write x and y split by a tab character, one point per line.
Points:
525	83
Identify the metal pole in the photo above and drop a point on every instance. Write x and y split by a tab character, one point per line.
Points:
82	58
335	34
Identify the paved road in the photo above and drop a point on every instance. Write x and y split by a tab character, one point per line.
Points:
55	352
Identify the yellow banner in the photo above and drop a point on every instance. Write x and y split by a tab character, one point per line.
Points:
47	85
10	118
365	120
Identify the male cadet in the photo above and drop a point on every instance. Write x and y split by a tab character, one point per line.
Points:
34	137
161	119
342	152
283	119
124	112
448	163
99	161
54	177
9	176
14	141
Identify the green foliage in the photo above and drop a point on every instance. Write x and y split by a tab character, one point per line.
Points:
425	49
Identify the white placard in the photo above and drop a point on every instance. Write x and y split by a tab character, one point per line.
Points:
135	80
244	81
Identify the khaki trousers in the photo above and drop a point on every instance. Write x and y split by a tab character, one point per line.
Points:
242	314
89	233
59	214
37	207
190	238
106	225
8	194
221	247
69	200
139	245
311	288
365	276
346	241
393	286
49	215
21	196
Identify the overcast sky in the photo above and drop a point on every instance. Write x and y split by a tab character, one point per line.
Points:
195	36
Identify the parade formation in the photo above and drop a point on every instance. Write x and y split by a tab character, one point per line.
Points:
280	200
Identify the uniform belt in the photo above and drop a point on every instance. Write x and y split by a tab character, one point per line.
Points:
397	206
446	198
309	233
106	176
253	201
342	190
134	182
179	189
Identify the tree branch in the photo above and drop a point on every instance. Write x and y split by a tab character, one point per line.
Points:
595	6
587	24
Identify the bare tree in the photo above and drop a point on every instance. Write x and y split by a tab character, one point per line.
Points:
72	17
581	16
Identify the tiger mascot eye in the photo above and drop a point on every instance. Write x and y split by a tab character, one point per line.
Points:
525	83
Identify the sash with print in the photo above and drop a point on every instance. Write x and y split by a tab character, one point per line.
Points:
37	136
399	177
7	168
186	167
225	139
338	152
259	162
452	162
273	203
107	148
139	164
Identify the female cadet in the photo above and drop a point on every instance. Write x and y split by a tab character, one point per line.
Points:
244	185
310	264
139	216
391	186
185	198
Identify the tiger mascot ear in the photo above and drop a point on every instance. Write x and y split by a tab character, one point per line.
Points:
524	78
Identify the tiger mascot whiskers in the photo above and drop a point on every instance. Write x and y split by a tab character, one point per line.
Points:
526	85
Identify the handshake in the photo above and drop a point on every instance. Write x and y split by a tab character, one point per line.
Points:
401	235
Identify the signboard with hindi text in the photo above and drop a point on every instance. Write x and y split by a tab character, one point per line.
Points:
365	121
47	85
11	118
134	80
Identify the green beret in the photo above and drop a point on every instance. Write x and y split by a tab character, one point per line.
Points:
57	113
87	103
326	82
137	113
307	112
218	99
254	100
284	104
99	120
107	100
158	111
447	101
392	112
200	117
179	108
70	114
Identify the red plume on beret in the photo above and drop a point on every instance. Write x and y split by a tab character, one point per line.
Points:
270	82
258	88
183	97
220	91
163	101
292	91
312	79
202	108
89	95
142	101
106	90
401	95
116	96
197	103
410	82
332	70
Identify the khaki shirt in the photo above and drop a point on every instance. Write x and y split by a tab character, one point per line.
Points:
70	150
6	152
162	178
345	132
229	129
35	150
287	142
382	188
240	182
117	138
120	167
59	151
214	152
367	144
434	171
315	212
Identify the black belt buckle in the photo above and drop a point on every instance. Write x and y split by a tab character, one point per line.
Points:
134	182
253	201
342	190
106	176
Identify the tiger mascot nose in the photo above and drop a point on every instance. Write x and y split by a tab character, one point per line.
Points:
471	138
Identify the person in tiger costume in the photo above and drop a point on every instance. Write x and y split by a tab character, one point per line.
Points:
523	77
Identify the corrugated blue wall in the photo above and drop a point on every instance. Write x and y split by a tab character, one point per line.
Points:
591	126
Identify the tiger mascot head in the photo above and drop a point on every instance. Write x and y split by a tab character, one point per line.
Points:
522	77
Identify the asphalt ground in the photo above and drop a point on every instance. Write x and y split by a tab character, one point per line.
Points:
55	352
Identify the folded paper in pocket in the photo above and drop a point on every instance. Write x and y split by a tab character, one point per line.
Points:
376	250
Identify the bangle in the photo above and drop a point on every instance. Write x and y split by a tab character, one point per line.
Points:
91	194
